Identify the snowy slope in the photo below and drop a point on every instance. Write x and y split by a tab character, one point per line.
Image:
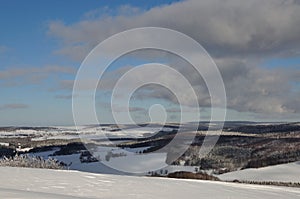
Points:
280	173
37	184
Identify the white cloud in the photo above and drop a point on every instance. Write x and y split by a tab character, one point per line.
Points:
233	26
13	106
239	36
31	75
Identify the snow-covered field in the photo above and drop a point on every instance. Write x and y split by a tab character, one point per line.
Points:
84	132
96	132
279	173
38	184
136	163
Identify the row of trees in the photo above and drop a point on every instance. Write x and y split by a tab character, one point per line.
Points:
286	184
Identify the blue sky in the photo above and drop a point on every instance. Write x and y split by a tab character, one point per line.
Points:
37	39
25	44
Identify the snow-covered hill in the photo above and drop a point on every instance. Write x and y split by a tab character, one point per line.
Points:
38	184
278	173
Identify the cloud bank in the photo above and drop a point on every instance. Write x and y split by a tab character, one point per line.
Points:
240	36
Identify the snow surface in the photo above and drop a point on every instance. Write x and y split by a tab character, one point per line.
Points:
42	183
280	173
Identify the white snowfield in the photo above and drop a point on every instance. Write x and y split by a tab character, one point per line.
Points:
279	173
24	183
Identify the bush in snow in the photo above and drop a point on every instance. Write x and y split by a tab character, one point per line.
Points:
32	162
